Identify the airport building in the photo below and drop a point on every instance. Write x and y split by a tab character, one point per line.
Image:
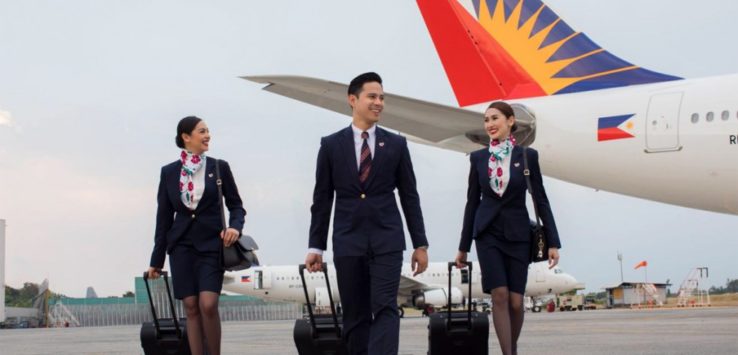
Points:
636	294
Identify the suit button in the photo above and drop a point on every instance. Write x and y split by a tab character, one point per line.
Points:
363	196
193	216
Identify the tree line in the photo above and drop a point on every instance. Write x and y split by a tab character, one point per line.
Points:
731	286
26	295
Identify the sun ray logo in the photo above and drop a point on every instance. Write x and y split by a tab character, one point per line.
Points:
615	127
245	278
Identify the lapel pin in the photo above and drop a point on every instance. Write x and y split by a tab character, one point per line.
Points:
210	175
381	144
517	165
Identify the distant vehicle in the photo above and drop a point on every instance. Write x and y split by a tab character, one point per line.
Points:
571	303
590	303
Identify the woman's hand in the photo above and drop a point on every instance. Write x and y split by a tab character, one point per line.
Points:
229	236
153	273
461	259
553	257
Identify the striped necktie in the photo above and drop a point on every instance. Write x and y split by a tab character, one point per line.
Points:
365	164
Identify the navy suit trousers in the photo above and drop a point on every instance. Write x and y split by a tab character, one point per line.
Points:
368	286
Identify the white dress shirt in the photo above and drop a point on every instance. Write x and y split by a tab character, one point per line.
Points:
358	142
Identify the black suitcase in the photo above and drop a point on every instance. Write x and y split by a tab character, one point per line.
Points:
165	335
459	332
320	333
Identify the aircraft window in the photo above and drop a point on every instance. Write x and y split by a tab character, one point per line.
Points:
695	117
725	115
710	116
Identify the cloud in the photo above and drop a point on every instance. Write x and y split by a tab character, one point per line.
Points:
6	119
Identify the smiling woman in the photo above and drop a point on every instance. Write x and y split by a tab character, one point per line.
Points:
496	217
189	229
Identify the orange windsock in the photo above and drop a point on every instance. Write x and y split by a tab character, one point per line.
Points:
642	263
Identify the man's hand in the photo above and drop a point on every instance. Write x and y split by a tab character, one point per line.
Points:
553	257
460	259
419	261
314	262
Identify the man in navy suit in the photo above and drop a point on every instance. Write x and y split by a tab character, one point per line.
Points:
362	165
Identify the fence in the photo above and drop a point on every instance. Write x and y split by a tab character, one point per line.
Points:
129	314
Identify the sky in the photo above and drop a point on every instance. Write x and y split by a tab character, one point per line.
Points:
91	92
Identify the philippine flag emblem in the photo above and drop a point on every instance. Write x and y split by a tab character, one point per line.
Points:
245	278
614	127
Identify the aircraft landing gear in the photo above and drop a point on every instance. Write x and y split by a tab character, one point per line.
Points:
401	311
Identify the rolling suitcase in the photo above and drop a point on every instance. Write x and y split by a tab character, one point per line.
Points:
459	332
165	335
319	334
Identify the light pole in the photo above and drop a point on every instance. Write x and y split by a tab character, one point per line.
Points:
620	259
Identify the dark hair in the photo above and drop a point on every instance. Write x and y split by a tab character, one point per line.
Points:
185	125
506	110
358	82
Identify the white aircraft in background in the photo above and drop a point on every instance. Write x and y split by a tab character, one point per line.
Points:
429	289
598	120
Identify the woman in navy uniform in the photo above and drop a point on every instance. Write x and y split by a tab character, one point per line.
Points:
189	228
496	217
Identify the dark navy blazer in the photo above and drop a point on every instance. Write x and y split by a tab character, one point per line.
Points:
173	218
366	217
483	205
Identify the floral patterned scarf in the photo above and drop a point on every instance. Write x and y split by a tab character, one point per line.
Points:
499	150
191	163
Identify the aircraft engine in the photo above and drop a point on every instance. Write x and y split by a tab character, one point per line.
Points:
438	297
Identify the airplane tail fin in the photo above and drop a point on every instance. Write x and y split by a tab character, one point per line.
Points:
508	49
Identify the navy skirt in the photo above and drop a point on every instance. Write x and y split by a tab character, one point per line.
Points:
194	271
502	262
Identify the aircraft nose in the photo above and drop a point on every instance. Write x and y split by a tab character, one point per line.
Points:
572	281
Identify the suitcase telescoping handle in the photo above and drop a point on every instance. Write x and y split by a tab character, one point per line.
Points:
171	304
451	265
330	298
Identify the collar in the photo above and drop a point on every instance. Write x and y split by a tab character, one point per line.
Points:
357	132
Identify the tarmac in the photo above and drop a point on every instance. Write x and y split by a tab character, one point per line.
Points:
650	331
